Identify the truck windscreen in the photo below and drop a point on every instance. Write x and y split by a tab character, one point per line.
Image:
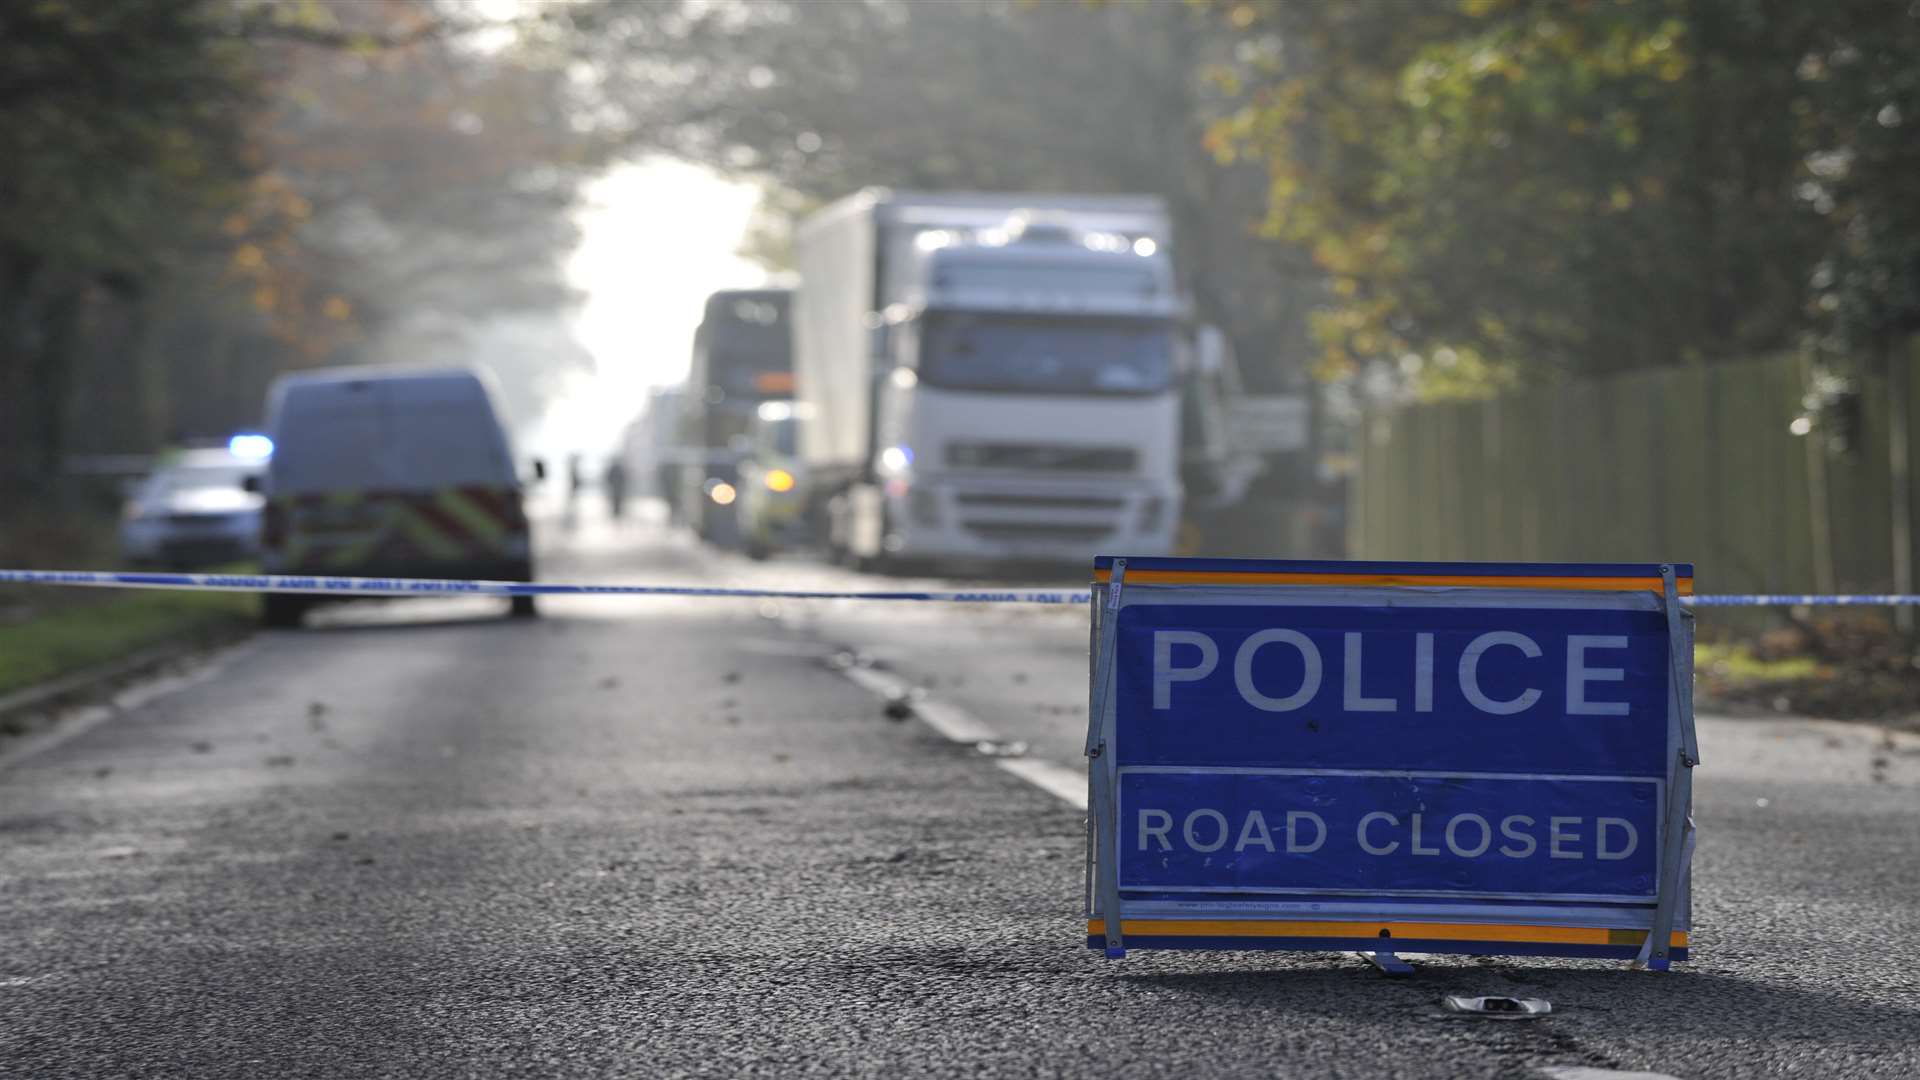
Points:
1046	355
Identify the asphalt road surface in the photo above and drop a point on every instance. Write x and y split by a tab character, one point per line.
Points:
647	837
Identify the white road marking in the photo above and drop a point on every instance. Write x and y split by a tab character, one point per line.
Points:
882	683
23	980
1067	785
955	724
958	725
80	720
779	647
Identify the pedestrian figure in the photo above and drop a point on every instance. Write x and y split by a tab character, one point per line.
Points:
615	481
576	482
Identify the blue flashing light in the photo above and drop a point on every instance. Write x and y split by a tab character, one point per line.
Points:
250	446
896	459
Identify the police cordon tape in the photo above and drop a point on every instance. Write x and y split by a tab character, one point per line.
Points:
1808	600
390	587
357	586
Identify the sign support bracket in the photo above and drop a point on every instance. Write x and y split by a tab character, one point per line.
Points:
1387	962
1684	753
1105	818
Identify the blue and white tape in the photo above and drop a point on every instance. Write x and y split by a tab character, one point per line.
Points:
358	586
1803	600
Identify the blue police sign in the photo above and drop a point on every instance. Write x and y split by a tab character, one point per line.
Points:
1459	757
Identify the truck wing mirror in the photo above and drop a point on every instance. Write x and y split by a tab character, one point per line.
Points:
539	470
252	484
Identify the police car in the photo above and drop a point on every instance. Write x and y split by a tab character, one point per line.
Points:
194	510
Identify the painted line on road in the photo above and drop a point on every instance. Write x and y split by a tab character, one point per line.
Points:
80	719
1067	785
957	725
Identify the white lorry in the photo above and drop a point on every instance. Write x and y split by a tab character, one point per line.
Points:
991	377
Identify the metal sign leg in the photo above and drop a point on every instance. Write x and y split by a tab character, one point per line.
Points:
1654	953
1683	755
1105	821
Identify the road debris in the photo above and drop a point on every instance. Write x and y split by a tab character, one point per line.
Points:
1001	748
1496	1008
1590	1073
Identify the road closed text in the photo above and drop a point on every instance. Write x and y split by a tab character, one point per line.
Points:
1275	830
1466	835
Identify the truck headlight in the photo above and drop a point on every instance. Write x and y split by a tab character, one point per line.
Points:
896	459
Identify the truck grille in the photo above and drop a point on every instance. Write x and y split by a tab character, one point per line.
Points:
1041	456
1046	502
1016	531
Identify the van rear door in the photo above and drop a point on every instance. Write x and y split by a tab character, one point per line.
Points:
396	476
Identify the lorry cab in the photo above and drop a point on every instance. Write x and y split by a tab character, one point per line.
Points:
391	473
1030	407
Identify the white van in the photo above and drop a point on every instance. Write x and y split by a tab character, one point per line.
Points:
390	473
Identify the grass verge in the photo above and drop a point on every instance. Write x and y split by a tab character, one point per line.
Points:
1839	666
68	639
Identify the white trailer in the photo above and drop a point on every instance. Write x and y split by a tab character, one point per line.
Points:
654	446
991	376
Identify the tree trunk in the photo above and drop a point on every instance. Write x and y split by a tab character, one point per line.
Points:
48	371
19	343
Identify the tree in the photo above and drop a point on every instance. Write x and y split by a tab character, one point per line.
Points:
210	192
121	133
821	99
1502	190
446	175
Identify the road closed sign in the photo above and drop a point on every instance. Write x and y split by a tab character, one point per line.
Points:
1391	757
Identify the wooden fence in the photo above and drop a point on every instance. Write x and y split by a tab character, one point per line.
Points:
1688	464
